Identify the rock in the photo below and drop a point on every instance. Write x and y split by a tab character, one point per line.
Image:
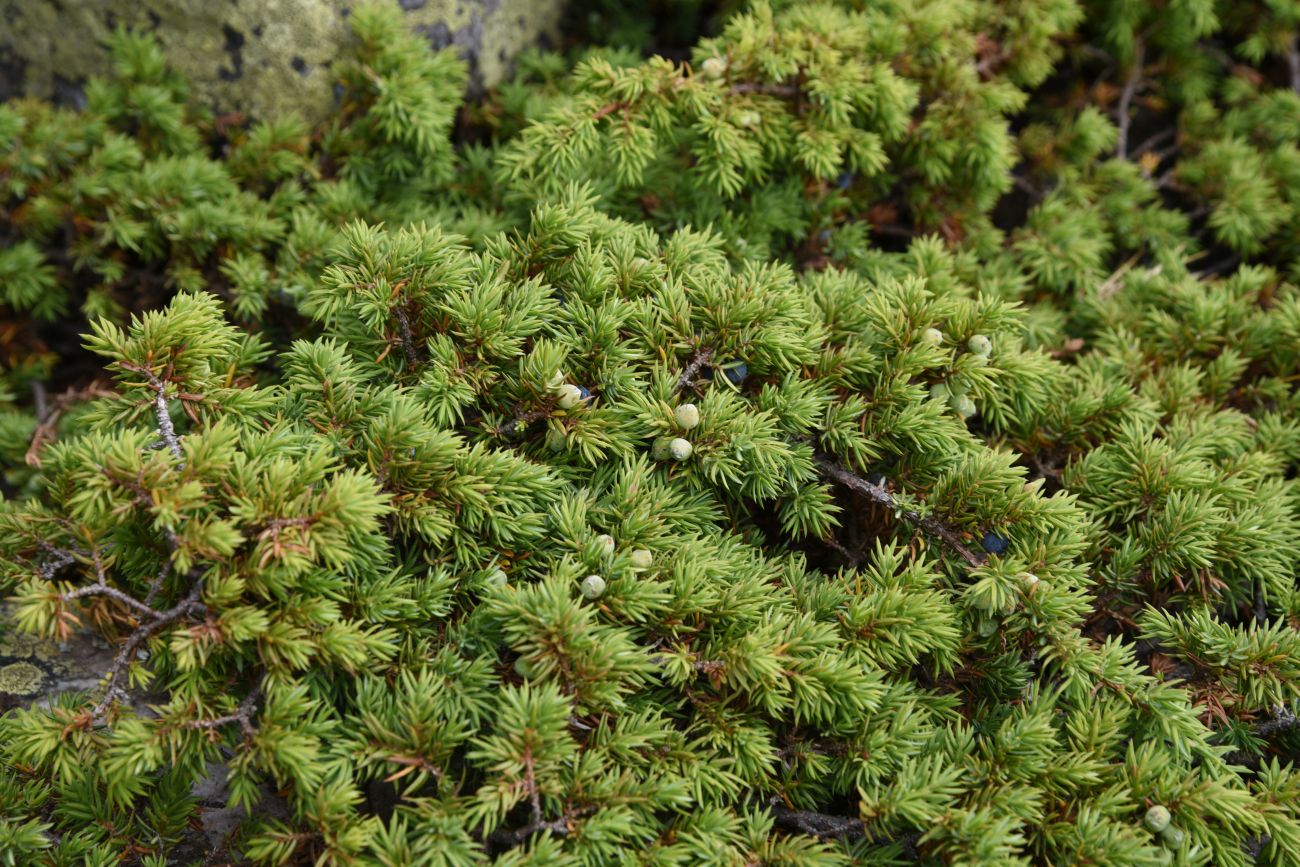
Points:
21	680
33	671
259	57
219	822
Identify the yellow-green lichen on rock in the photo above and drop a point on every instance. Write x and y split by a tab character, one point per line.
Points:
33	668
261	57
21	678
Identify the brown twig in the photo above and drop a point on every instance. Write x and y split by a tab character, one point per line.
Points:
49	411
523	419
509	837
408	339
122	661
852	559
878	494
608	109
698	361
242	715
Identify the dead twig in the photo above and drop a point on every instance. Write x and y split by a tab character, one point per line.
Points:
1126	99
788	91
1283	721
522	420
701	358
408	339
1153	141
1112	284
242	715
506	838
165	427
823	826
48	413
878	494
159	619
1293	62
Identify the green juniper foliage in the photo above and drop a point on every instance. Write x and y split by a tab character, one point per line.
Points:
869	438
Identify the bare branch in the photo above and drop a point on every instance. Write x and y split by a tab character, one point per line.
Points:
1283	720
1219	266
242	715
122	661
49	411
894	230
408	339
1112	284
820	825
878	494
53	566
1126	99
1155	140
100	588
522	420
156	587
789	91
165	426
39	398
1293	62
1025	187
698	361
507	838
111	593
165	423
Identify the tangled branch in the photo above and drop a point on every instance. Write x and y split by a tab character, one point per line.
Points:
122	662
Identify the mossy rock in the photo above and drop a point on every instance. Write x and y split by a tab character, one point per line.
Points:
260	57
